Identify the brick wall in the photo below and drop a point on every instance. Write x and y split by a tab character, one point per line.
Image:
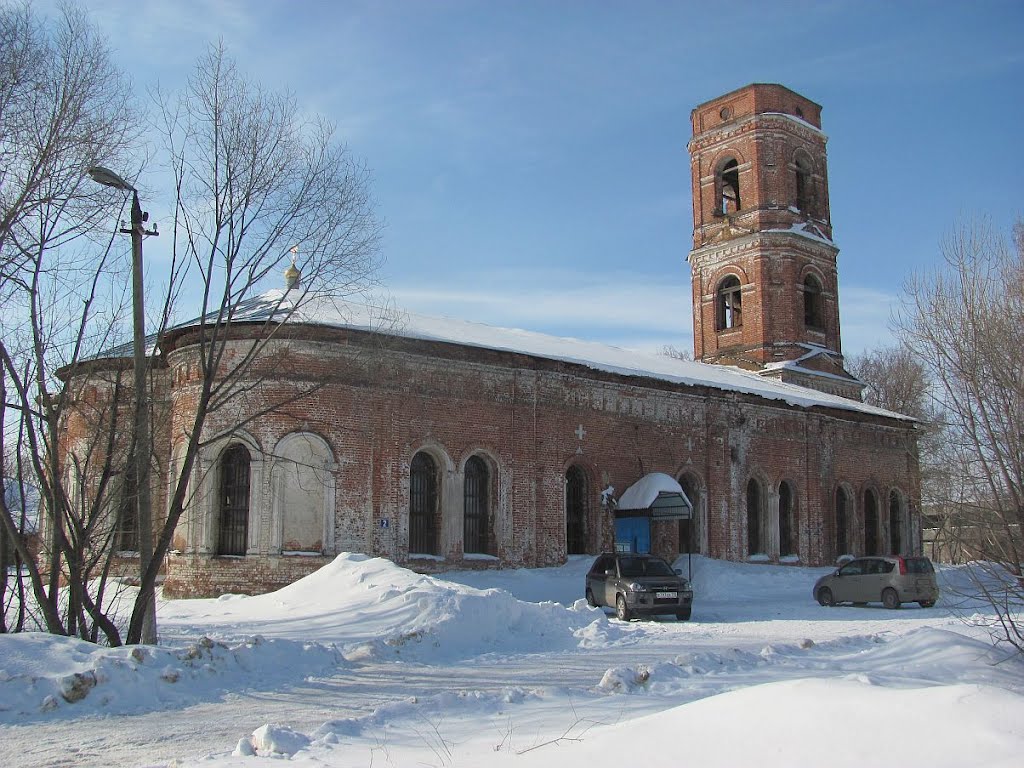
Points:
531	419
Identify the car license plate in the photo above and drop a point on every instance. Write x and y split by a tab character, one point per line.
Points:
665	595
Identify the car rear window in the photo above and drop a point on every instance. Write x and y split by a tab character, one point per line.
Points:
919	565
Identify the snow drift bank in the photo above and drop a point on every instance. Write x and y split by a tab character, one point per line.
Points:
373	608
50	675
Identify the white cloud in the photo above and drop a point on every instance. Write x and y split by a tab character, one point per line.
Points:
622	306
864	317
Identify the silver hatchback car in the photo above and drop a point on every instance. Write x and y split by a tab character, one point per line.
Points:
889	580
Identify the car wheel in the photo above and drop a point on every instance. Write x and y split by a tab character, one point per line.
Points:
684	613
926	603
890	599
590	598
825	596
621	609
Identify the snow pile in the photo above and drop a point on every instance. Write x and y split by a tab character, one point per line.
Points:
40	673
803	722
369	663
923	656
373	609
272	741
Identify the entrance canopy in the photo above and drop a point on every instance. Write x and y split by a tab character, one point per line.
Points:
659	496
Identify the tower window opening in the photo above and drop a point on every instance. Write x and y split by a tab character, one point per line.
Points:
729	309
728	184
812	303
804	185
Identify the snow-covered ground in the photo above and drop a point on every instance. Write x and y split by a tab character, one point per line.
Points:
365	663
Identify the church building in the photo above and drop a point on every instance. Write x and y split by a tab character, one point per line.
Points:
442	444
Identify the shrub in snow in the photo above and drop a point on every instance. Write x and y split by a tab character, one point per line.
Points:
76	687
624	679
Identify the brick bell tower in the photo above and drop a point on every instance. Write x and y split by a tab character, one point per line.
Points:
765	288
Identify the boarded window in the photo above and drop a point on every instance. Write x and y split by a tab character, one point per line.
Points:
233	530
423	505
301	484
476	506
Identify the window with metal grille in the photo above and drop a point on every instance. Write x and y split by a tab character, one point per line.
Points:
786	546
126	527
755	518
842	521
476	504
729	305
575	511
689	533
870	523
895	523
233	528
423	505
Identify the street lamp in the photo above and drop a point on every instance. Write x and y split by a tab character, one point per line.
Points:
108	178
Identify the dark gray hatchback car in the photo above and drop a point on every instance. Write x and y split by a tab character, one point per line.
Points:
638	585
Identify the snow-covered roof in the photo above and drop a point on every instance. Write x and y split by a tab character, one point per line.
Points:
340	312
644	492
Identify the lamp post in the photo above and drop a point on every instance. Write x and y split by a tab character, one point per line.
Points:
138	230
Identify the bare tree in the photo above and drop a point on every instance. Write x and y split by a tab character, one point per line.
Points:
670	350
896	380
257	186
962	321
62	105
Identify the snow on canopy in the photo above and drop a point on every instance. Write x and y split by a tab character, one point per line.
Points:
325	309
645	491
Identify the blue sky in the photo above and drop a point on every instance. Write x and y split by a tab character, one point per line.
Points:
530	160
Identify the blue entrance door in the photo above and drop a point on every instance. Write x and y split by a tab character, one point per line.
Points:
633	534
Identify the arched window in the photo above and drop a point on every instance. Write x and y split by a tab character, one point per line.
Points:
126	527
727	184
804	184
729	304
755	518
575	511
870	523
813	315
233	527
476	504
895	523
423	505
786	528
689	530
842	522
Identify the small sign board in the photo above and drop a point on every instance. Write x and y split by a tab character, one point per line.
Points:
385	523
